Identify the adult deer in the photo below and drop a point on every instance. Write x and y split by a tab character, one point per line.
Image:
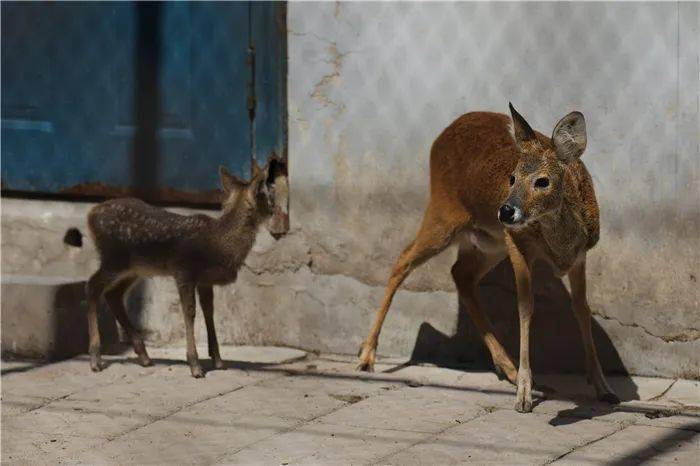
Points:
498	188
136	240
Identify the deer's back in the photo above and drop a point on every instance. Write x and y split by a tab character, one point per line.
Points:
471	162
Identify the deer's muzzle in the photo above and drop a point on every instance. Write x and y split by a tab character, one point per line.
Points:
510	215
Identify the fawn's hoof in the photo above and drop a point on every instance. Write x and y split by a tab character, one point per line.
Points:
523	405
96	365
197	371
219	364
610	398
144	360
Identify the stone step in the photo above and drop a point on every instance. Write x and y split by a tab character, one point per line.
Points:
45	318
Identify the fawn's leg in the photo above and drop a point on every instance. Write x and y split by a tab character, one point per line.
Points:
521	267
577	279
115	300
97	284
433	237
186	290
206	300
469	269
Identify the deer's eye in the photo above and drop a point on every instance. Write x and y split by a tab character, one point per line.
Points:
541	182
512	180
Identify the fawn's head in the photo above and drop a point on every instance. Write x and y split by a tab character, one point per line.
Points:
266	194
537	185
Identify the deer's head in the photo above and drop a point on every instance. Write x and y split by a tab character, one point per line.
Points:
537	185
266	194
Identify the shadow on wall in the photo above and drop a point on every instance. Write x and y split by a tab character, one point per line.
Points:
145	162
145	155
556	345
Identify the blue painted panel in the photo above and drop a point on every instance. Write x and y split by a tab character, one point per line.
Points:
99	98
269	37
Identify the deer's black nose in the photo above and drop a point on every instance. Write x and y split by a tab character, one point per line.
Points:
506	213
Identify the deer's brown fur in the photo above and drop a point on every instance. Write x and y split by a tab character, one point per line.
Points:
472	204
136	240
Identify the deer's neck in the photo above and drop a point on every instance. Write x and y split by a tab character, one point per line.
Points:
235	233
564	235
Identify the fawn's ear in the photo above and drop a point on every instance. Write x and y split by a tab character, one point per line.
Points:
229	182
521	128
275	169
569	137
256	169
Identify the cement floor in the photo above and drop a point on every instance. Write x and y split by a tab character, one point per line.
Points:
282	406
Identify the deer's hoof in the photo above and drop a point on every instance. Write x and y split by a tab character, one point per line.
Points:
610	398
367	356
505	372
197	371
365	366
523	406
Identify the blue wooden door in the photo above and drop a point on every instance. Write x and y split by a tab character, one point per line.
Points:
105	99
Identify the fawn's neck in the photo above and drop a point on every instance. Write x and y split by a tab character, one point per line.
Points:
235	232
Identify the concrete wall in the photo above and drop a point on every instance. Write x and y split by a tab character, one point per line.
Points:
370	86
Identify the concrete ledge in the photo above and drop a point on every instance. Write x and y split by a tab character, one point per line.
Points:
44	318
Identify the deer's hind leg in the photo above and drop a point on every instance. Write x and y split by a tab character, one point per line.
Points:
467	272
434	235
115	300
98	283
206	301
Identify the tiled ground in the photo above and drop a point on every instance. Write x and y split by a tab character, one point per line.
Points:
280	406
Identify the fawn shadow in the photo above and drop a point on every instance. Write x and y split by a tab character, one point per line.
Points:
556	345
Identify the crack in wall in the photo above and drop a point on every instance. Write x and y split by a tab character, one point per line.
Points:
321	88
687	336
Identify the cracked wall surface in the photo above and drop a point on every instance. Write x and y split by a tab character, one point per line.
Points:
370	86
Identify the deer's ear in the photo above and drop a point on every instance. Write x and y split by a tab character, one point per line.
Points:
569	137
523	131
228	181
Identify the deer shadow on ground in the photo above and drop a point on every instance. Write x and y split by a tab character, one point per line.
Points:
555	342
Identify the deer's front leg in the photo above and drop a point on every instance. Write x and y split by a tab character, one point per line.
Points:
187	300
577	280
521	267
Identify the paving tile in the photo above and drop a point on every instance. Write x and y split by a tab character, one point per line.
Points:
640	444
685	392
503	437
185	438
419	409
27	387
317	443
36	448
